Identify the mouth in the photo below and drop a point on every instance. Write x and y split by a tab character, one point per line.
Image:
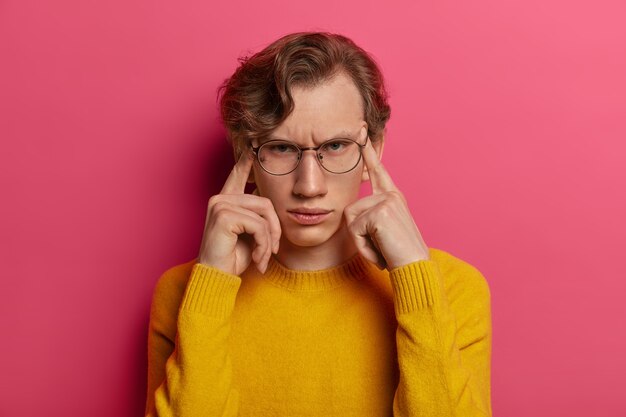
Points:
309	216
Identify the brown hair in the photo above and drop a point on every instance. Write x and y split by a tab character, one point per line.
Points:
257	98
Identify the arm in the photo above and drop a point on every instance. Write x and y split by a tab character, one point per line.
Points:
192	374
189	366
443	341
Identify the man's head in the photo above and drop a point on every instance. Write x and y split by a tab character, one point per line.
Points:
257	98
307	88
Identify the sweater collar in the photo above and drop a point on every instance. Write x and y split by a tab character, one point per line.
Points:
353	269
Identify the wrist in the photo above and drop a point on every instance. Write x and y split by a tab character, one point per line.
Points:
408	260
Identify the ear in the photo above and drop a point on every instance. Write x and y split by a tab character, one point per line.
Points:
378	147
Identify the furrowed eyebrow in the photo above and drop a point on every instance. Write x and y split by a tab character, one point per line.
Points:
341	135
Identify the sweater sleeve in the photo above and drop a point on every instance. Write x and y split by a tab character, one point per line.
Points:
192	374
443	341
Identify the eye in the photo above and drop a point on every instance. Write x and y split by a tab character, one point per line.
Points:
281	148
335	146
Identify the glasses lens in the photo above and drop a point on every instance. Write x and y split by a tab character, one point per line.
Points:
340	155
278	157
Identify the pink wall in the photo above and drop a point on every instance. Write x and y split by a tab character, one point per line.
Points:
507	136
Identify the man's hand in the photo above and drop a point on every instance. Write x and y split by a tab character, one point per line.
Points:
381	224
236	222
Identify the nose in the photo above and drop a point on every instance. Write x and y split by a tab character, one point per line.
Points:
310	176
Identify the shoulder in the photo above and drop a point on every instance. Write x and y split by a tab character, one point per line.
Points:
173	281
459	272
167	295
465	286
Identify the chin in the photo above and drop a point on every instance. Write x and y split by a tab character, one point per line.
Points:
308	236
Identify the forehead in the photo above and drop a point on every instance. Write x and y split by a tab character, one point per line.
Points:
331	109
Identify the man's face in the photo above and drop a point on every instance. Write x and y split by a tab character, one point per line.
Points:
331	110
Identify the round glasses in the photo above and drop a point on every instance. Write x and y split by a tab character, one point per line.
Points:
280	157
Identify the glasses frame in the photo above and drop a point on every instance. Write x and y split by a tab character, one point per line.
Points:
311	148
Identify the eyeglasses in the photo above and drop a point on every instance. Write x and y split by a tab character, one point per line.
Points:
280	157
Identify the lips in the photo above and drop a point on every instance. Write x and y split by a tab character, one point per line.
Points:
305	210
309	216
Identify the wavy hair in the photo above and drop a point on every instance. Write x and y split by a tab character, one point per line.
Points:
257	98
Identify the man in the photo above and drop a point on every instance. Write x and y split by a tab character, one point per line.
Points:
306	300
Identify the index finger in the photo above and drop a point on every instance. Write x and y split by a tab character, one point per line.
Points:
379	177
238	177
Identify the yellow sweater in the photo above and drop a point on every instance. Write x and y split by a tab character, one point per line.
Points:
351	340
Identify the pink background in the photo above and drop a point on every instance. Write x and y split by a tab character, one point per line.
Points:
507	137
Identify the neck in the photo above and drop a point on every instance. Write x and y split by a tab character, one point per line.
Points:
335	251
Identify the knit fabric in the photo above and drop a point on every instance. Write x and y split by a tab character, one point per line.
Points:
351	340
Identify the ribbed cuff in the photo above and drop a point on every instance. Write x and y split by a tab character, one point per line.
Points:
415	286
210	291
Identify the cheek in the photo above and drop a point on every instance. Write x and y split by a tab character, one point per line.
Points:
271	187
347	190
